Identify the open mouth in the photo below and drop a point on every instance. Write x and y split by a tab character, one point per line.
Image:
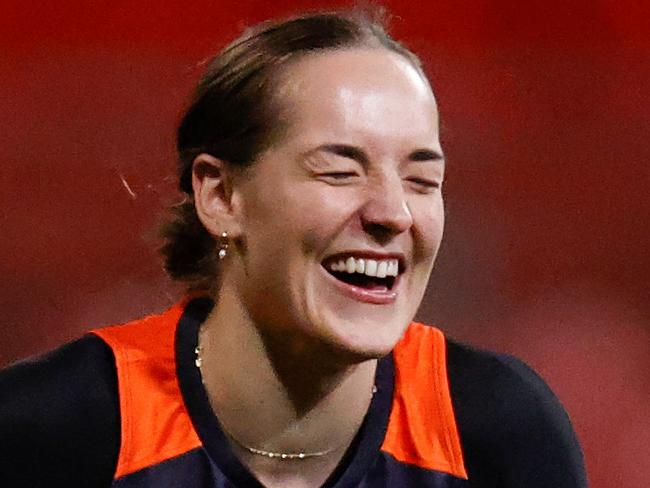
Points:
374	275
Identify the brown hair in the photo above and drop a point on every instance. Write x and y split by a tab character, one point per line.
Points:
231	117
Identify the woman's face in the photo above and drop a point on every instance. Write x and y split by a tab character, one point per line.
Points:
353	184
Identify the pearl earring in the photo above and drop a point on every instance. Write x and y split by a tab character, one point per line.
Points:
223	245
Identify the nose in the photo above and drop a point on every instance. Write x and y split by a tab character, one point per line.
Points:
386	212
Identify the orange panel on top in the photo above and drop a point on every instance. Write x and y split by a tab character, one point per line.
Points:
155	423
422	427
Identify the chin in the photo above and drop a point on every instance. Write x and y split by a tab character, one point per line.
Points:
362	339
353	329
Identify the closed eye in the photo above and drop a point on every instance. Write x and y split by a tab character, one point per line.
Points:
339	175
424	185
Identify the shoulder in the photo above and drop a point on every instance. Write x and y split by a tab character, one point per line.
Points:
504	380
59	416
73	376
513	428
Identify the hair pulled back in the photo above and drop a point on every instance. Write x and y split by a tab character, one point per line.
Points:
231	115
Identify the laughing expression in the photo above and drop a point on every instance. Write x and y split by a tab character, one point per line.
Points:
341	218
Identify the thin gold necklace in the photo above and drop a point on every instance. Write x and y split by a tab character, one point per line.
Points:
198	361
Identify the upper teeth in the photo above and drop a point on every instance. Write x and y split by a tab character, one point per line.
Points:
379	268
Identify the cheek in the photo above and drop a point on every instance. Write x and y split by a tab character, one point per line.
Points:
429	223
319	214
283	227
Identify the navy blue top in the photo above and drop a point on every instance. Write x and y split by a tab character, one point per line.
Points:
60	425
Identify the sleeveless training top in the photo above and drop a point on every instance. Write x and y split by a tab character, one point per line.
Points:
171	438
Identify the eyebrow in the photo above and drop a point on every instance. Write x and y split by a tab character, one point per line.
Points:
426	155
357	154
346	151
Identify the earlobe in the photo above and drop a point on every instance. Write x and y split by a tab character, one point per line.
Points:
212	187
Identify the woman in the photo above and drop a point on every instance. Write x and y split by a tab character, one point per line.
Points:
313	167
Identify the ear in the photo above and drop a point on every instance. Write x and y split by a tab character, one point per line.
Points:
213	189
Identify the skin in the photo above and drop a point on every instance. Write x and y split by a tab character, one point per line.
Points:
358	168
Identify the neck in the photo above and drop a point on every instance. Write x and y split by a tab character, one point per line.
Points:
300	397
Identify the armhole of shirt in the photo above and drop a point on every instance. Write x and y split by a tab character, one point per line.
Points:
124	393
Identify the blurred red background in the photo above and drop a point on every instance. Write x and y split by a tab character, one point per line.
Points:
545	107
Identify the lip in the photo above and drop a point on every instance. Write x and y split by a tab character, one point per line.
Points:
375	297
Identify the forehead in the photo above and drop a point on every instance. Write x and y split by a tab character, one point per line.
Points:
372	94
